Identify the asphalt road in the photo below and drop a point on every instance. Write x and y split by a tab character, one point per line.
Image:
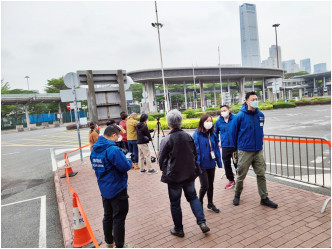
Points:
28	160
29	209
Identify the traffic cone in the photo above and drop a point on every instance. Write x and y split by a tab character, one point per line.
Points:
82	237
69	170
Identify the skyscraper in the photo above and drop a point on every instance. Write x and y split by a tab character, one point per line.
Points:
249	36
306	64
320	68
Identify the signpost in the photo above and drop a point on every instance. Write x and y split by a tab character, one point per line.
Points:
71	81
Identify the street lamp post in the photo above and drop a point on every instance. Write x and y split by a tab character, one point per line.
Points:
222	99
27	77
158	26
275	28
195	94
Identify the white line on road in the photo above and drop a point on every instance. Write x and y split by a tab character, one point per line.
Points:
10	153
54	165
42	224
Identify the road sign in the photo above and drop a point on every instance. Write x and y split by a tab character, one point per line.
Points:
68	107
67	95
78	104
70	80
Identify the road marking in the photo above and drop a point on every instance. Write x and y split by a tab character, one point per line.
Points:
37	145
10	153
42	218
44	140
54	164
318	159
42	223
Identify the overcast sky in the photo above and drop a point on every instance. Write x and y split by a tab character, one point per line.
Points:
46	40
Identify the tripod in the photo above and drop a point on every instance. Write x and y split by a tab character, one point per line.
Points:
159	127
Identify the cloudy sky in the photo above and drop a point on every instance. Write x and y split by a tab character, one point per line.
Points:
46	40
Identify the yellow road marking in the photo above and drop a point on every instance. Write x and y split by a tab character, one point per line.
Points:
61	136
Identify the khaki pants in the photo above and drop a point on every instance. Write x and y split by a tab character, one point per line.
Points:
256	159
144	155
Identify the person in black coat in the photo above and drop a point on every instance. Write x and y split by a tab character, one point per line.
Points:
143	139
177	160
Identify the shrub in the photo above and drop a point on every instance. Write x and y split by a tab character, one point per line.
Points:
213	113
184	116
188	111
213	109
151	118
197	115
283	105
157	114
235	108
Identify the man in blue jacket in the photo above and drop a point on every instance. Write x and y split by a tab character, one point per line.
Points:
111	166
222	127
247	134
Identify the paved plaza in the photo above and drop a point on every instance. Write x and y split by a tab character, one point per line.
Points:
296	223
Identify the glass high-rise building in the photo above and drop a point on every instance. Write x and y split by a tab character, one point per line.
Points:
306	64
249	36
320	68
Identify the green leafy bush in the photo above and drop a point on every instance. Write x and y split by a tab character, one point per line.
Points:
157	114
197	115
235	108
213	109
283	105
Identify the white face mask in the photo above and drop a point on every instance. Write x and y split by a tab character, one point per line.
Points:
119	139
224	114
208	125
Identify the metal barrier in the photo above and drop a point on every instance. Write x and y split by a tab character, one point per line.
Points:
299	158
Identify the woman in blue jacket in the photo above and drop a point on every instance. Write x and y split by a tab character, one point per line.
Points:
208	155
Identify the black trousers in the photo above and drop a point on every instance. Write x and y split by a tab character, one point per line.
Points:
115	213
207	179
226	158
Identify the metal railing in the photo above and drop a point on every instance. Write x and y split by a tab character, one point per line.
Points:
299	158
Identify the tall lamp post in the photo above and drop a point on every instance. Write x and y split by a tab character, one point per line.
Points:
27	77
275	28
158	26
222	99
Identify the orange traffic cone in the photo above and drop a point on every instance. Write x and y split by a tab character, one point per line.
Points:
82	237
69	170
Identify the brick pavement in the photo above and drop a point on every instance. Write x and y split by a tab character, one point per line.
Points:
296	223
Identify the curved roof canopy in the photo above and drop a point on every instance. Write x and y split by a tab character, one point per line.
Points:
204	74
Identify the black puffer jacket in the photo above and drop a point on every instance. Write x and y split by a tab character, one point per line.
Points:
177	158
143	133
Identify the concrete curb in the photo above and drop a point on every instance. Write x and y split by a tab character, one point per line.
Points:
64	219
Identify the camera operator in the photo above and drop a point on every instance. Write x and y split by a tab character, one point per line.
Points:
111	166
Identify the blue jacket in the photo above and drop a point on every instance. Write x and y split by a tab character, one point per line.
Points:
247	129
204	159
224	129
110	166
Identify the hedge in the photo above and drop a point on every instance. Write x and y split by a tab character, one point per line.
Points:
186	124
283	105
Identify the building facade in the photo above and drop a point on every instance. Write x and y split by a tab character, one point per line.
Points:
306	64
249	36
320	68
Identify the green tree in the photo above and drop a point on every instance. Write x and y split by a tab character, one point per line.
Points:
55	85
291	75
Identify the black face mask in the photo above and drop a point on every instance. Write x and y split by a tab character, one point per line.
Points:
98	131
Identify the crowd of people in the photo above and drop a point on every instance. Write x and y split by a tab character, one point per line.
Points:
182	159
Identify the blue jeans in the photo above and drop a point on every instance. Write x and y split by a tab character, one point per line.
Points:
132	147
174	194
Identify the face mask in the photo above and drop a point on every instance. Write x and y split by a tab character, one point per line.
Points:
98	131
120	138
254	104
208	125
224	114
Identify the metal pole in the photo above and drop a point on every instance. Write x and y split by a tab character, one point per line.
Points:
77	125
275	28
222	100
27	77
195	94
161	60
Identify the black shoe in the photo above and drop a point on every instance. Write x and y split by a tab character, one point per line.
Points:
267	202
177	233
204	227
236	200
213	208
